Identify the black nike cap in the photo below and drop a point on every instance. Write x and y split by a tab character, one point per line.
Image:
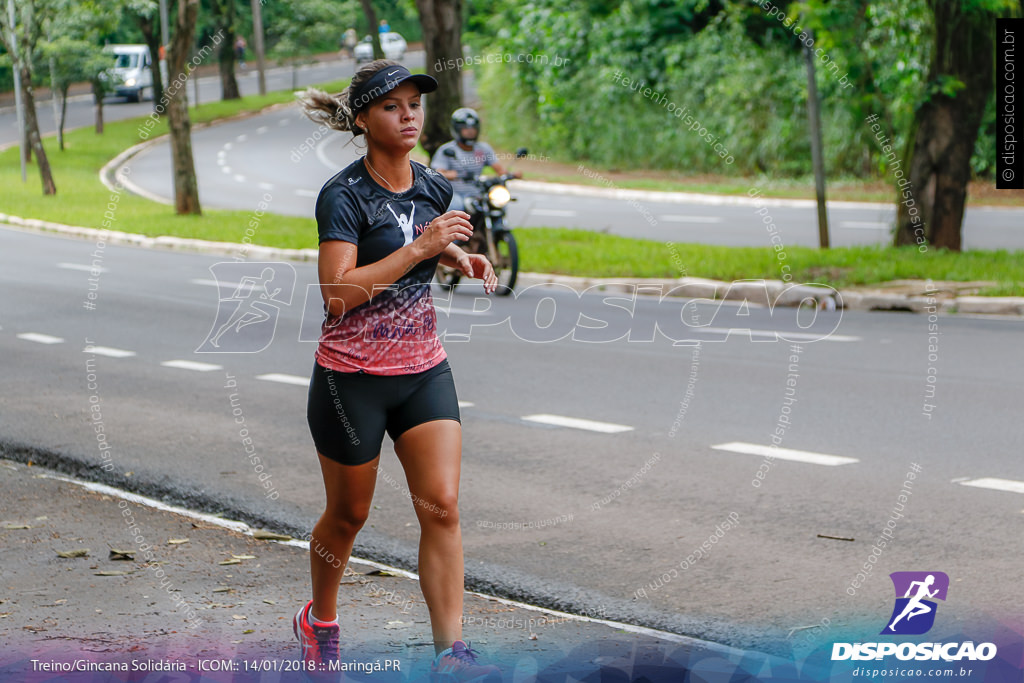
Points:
386	80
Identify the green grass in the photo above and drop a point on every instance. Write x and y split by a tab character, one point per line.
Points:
81	200
591	254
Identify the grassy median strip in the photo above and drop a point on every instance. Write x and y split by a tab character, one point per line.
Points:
593	254
82	200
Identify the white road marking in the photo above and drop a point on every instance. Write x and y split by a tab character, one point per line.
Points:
466	404
82	266
191	365
261	130
321	155
285	379
108	351
996	484
214	283
306	193
786	454
463	311
553	212
863	225
239	178
265	186
225	169
690	219
242	138
284	122
227	145
40	338
771	334
578	423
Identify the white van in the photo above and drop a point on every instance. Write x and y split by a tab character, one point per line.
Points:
131	75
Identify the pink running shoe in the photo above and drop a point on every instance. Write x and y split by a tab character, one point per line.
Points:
319	643
458	664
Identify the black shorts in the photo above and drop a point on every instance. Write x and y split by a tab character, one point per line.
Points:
348	412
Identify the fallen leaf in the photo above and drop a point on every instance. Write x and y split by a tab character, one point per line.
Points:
379	572
533	636
116	554
223	589
41	519
60	602
269	602
16	526
264	535
176	541
243	557
108	572
231	561
239	616
77	552
249	630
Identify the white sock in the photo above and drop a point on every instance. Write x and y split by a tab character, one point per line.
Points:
321	622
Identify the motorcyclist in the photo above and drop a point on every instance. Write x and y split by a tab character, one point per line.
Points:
467	159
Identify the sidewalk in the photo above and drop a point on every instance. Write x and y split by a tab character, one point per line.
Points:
218	597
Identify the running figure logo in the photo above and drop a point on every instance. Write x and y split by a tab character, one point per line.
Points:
251	296
914	613
405	222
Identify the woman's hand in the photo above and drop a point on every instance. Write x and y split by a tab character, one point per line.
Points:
442	231
477	266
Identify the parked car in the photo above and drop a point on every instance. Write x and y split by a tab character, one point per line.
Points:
392	43
131	76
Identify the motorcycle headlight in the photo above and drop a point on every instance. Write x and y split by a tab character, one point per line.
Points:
130	82
499	196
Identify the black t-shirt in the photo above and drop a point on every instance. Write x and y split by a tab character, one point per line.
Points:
394	332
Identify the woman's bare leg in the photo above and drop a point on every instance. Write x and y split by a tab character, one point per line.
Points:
431	454
349	495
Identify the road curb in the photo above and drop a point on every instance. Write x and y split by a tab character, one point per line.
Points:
770	293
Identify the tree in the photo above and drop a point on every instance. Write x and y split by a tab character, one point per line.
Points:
186	189
442	37
371	19
147	17
224	14
73	61
20	40
945	128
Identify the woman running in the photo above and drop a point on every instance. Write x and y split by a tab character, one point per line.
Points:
380	366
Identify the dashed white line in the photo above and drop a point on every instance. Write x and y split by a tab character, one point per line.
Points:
108	351
236	285
82	266
786	454
265	186
225	169
775	335
553	212
227	145
40	338
284	122
690	219
191	365
261	130
863	225
242	138
577	423
996	484
240	178
285	379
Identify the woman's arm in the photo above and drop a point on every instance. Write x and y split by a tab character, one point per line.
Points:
452	256
343	286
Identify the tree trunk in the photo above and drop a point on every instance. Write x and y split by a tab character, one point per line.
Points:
32	131
442	37
371	18
63	114
186	189
148	27
931	207
97	94
224	21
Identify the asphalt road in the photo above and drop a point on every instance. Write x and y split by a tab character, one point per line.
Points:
596	515
283	154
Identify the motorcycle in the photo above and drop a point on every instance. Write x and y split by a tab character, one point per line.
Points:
491	235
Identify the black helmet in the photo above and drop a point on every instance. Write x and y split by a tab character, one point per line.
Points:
465	118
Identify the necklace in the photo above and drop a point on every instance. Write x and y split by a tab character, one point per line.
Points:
370	166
